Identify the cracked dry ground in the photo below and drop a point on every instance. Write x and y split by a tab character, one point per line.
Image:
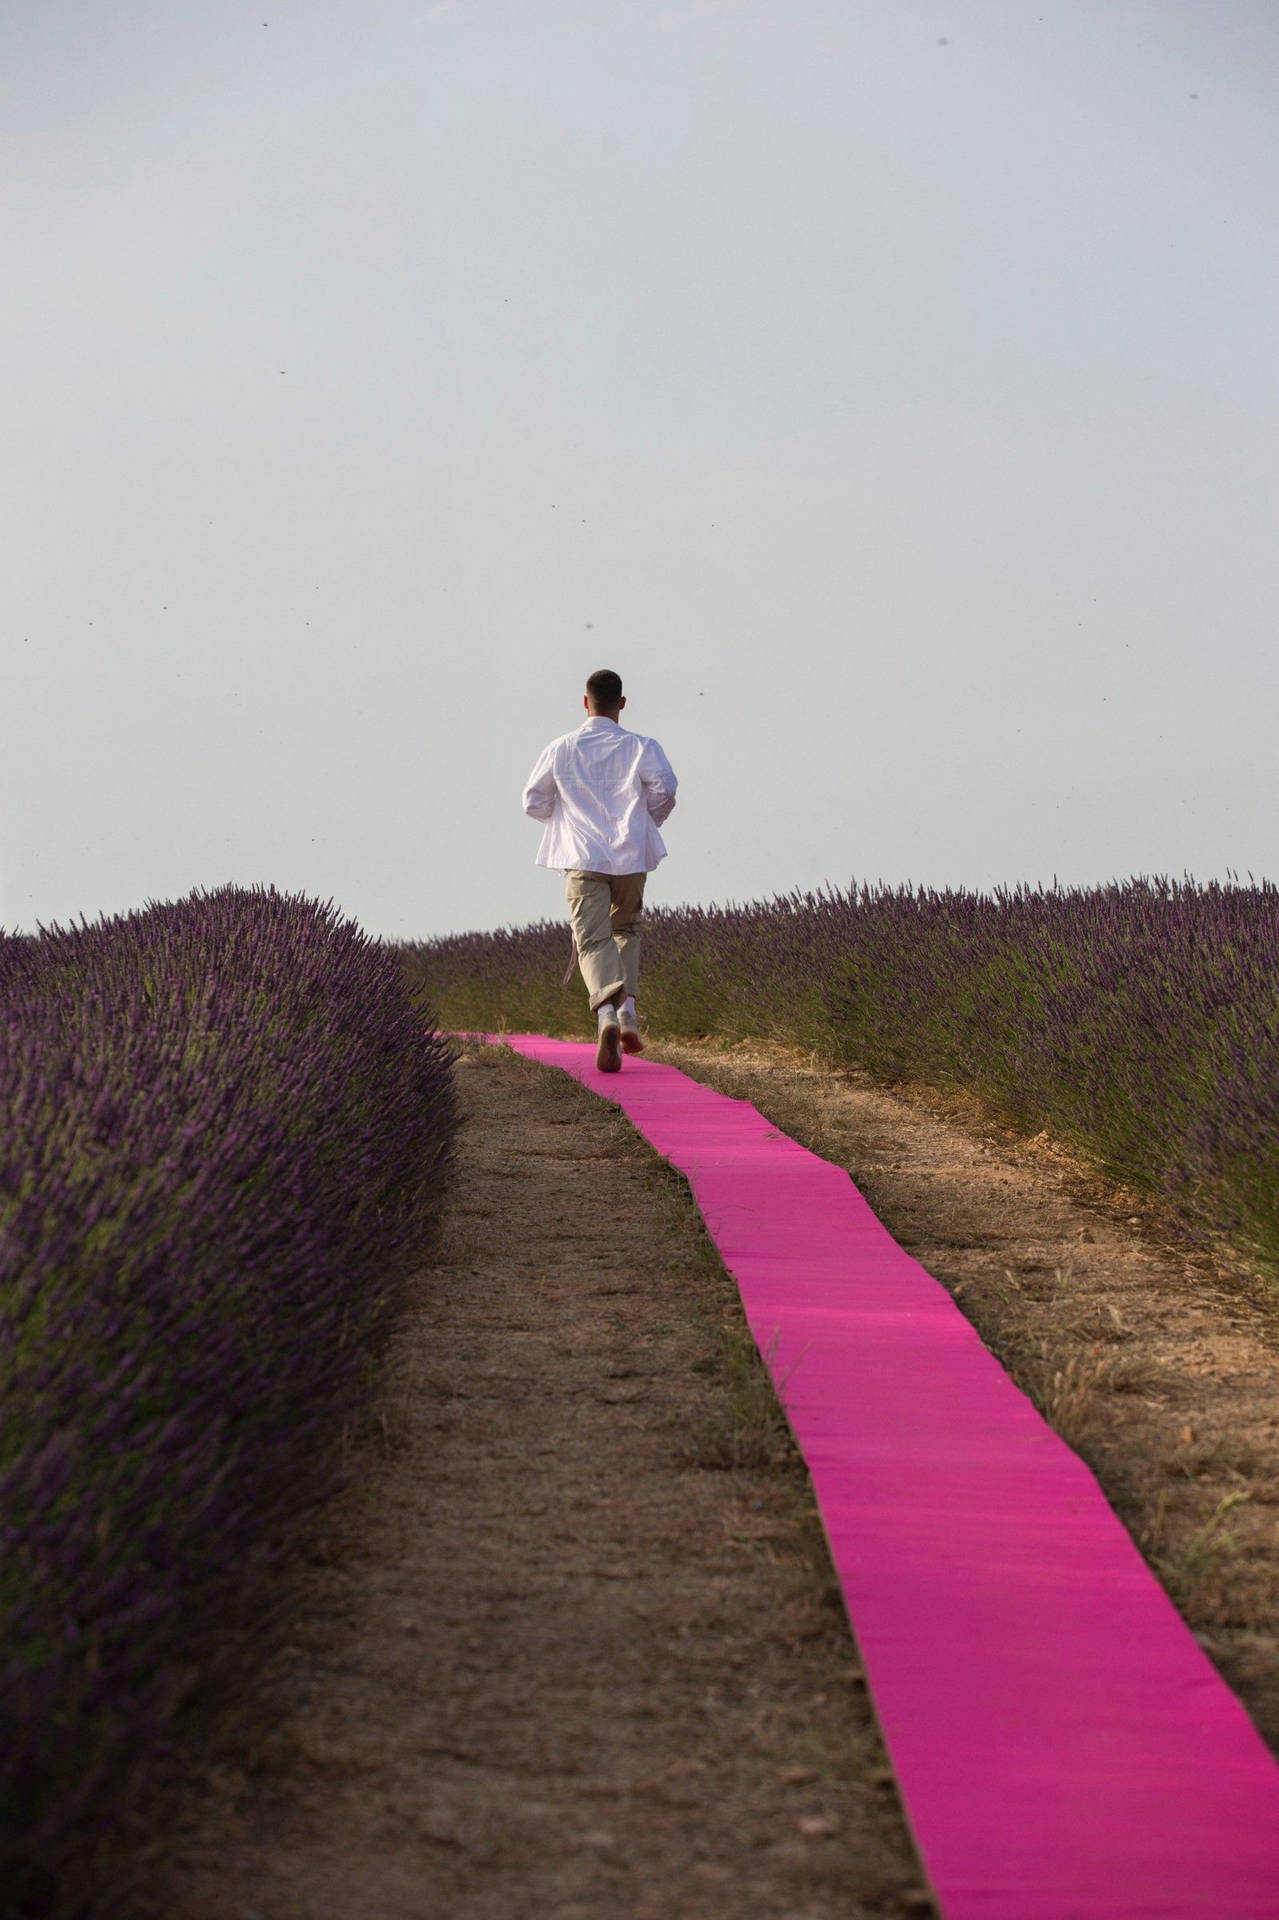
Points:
573	1649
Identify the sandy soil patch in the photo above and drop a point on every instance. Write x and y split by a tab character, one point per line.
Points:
572	1646
1159	1368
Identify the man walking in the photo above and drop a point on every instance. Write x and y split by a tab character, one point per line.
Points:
603	792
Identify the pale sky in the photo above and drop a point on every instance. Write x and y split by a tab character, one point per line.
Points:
888	391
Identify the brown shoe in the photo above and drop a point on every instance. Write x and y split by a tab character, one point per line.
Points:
608	1054
632	1038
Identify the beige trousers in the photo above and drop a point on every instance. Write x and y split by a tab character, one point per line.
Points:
606	911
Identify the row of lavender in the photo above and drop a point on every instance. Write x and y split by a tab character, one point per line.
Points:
1139	1022
224	1136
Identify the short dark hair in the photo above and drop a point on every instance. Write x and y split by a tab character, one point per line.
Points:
605	687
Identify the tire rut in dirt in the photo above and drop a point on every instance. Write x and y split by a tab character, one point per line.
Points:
566	1659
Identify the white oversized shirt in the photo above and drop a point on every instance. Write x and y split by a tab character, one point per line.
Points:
602	792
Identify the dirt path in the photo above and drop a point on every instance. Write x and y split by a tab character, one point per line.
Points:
575	1652
1159	1369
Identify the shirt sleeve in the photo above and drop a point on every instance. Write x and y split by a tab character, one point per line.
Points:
539	794
659	782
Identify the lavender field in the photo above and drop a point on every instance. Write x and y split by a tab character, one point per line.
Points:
1137	1022
226	1133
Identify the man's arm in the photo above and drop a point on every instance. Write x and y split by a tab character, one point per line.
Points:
539	794
659	782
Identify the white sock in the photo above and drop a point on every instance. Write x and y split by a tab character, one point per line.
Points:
607	1013
628	1005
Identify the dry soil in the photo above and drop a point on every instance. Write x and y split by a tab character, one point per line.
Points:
1158	1364
572	1647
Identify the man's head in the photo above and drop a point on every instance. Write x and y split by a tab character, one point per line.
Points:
604	694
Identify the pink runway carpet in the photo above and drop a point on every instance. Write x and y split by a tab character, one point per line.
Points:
1064	1749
